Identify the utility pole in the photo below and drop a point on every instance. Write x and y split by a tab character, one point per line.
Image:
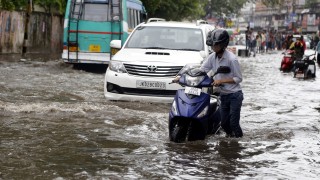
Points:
293	14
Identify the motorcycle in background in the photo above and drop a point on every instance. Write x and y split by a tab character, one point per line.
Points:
194	113
287	61
305	68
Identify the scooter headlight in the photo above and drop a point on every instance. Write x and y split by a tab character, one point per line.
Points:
187	67
194	81
203	112
117	67
174	108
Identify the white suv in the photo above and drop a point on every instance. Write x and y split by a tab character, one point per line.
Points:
151	57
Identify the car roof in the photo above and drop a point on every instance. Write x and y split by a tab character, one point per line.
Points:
176	24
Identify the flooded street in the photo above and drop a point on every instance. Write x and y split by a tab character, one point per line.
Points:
55	123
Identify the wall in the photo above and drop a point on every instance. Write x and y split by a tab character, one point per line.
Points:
12	25
44	34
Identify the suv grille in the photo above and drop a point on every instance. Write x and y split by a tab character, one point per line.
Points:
155	71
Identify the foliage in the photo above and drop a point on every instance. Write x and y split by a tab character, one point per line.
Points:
272	3
13	4
311	3
48	5
191	9
168	9
174	10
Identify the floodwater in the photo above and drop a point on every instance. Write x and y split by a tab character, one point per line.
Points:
56	124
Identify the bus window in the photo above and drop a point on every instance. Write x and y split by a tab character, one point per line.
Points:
96	12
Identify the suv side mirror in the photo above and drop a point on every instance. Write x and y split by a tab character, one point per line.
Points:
115	44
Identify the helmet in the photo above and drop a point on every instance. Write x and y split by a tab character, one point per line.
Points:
218	36
297	44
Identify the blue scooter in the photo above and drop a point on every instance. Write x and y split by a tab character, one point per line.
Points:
194	113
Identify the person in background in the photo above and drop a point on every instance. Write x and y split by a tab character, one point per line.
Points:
248	35
278	39
263	41
288	42
318	52
231	95
258	39
316	39
254	45
303	42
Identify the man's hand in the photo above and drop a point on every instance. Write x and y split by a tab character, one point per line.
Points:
217	82
175	80
221	81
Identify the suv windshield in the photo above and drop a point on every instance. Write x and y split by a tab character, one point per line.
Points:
148	37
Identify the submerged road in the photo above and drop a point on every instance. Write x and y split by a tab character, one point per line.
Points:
56	124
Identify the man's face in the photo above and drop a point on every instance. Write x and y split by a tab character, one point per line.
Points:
216	48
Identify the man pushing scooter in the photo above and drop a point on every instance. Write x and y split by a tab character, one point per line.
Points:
231	95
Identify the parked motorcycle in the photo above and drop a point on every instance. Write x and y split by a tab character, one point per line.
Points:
287	61
305	68
194	113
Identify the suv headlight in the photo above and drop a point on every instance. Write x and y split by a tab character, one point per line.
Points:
117	67
187	67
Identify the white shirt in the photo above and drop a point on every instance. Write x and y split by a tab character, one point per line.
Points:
228	59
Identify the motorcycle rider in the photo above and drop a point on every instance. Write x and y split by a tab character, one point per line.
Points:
298	49
231	95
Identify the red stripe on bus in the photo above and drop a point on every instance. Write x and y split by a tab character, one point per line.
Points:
94	32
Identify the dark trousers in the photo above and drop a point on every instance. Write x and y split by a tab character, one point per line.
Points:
230	113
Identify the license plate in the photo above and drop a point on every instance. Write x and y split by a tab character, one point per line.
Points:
151	84
114	51
300	75
73	48
94	48
192	90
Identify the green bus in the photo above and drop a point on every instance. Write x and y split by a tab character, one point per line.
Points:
90	26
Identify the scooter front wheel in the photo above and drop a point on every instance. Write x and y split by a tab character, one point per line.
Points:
179	132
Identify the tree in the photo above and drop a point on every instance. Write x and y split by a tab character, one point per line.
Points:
312	4
191	9
175	10
13	4
48	5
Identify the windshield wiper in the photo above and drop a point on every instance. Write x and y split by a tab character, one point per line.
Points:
186	49
154	48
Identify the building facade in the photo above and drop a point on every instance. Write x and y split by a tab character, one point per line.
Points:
298	16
